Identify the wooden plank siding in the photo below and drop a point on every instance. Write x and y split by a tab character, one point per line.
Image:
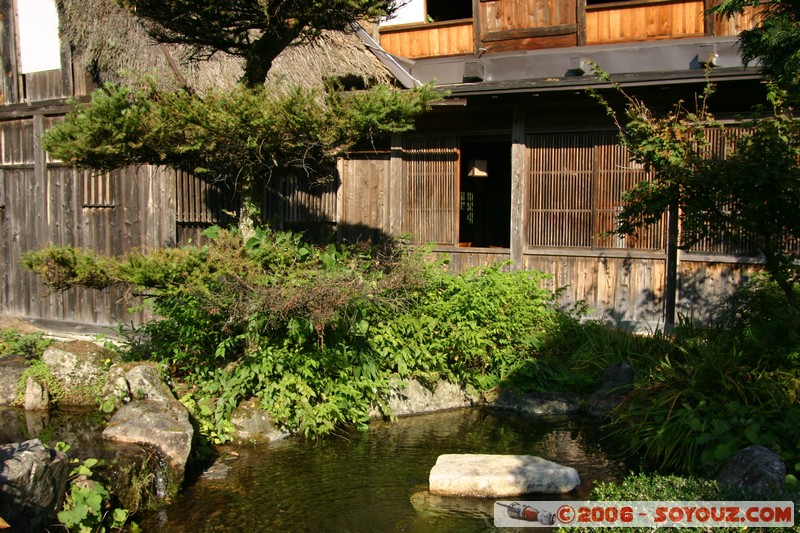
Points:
429	40
575	188
645	22
532	24
364	197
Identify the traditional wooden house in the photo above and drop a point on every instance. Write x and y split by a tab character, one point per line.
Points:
518	163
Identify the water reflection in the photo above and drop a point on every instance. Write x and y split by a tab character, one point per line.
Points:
376	480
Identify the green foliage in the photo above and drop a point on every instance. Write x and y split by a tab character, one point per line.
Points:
61	268
31	345
575	353
316	333
750	195
774	42
87	506
241	136
656	487
720	389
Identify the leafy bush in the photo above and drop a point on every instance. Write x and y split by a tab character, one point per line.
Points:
316	333
87	506
28	344
722	388
574	354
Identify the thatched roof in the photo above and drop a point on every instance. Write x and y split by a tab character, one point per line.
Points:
112	45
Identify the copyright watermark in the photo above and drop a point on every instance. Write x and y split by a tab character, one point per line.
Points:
644	513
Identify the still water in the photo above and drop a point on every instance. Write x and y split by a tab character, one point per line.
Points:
377	480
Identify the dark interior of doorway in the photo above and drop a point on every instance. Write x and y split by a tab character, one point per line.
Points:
485	214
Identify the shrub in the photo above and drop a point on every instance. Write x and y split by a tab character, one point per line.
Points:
317	332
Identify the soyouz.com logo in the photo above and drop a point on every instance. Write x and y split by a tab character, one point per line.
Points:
644	514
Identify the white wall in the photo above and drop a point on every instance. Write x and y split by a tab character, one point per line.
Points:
40	48
411	11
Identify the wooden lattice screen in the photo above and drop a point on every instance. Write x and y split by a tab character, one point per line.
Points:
99	189
431	189
721	142
574	192
199	201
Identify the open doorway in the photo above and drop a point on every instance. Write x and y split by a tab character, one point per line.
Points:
485	211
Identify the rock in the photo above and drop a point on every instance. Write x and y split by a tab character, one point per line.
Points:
36	396
160	425
78	366
414	398
252	424
498	476
154	419
135	381
546	403
11	369
32	483
145	383
616	383
753	471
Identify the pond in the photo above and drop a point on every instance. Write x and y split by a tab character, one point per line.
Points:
375	480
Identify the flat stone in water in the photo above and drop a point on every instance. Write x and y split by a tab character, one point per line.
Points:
486	476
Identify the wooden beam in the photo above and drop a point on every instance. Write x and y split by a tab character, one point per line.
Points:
476	26
518	175
671	270
580	17
525	33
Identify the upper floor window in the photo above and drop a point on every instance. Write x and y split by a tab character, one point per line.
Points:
40	48
422	11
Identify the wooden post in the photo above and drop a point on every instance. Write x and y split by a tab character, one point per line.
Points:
8	51
671	270
518	174
476	27
395	201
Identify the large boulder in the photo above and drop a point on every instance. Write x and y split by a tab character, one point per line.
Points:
32	483
79	366
499	476
154	418
412	397
11	369
754	471
544	403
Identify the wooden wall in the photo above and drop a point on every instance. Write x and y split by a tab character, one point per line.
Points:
435	39
644	22
503	25
364	196
43	202
533	24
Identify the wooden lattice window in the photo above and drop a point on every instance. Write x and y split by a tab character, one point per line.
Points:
99	189
575	188
431	190
200	201
720	143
